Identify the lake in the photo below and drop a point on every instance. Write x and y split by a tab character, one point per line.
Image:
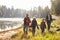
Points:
9	23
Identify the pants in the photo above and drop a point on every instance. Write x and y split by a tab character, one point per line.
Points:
49	24
25	29
33	31
42	29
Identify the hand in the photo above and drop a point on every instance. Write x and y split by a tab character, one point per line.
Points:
37	27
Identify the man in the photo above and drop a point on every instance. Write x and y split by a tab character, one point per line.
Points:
49	20
26	23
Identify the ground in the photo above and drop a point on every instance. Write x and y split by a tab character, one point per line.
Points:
53	35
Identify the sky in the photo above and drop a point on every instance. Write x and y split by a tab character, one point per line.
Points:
25	4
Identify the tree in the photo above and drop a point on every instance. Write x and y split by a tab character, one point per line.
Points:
55	7
40	11
45	11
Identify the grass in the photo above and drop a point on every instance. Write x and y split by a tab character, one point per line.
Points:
38	35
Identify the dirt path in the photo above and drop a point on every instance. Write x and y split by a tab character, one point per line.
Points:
6	35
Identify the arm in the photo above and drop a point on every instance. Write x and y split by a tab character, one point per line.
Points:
31	23
45	24
46	18
51	18
28	20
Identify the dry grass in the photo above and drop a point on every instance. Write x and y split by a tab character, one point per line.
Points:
38	36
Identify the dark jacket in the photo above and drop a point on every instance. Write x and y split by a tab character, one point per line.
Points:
50	18
26	21
42	25
34	23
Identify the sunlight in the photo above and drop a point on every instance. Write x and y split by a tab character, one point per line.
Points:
26	4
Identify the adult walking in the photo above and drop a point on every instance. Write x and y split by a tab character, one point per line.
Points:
26	23
49	20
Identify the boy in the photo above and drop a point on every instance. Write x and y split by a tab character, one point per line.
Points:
43	26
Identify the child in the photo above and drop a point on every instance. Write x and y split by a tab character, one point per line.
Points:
43	26
33	25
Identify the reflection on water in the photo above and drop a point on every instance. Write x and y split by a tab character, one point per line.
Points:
7	25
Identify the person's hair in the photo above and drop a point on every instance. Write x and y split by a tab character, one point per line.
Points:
43	19
26	14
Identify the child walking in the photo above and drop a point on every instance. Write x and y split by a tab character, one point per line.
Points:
34	25
43	26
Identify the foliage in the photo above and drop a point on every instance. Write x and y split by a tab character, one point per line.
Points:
56	7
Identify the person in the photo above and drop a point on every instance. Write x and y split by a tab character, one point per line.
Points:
49	20
43	26
33	25
26	24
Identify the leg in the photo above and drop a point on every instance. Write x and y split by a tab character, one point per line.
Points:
33	31
26	29
42	30
49	23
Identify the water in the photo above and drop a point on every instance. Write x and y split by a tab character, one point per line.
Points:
10	23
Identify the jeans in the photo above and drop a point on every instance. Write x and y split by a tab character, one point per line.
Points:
49	24
25	28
